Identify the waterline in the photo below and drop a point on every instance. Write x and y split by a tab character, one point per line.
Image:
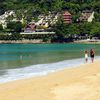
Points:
39	69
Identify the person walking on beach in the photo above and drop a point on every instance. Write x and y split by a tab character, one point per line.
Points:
86	55
92	55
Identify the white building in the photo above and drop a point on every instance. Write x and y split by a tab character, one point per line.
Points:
3	18
90	19
46	20
87	15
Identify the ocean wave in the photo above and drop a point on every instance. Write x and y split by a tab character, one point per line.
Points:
39	70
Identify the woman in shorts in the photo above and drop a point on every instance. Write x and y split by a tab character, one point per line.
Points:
92	55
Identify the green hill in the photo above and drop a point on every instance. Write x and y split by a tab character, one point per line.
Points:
49	5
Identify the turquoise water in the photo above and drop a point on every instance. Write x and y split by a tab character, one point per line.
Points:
19	61
22	55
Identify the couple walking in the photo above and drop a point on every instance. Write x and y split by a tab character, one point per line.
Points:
91	55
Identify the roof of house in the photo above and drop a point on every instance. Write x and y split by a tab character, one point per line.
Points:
66	13
87	11
85	15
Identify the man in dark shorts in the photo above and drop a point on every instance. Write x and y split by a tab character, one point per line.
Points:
92	55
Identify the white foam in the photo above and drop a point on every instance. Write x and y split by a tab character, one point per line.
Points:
38	70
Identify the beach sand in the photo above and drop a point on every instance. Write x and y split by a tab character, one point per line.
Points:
79	83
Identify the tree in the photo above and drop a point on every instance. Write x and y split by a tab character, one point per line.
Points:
73	29
97	16
1	27
18	27
75	18
85	28
95	30
59	28
66	30
73	8
14	27
9	18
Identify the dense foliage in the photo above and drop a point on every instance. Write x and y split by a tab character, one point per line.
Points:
14	26
80	29
49	5
32	8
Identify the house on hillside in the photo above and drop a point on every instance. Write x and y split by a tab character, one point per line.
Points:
67	17
30	27
3	19
54	18
87	15
8	15
45	21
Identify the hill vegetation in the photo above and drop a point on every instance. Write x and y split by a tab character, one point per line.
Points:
44	6
32	8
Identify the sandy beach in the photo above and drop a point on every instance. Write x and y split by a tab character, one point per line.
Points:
79	83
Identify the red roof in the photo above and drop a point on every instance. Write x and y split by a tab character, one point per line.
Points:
66	13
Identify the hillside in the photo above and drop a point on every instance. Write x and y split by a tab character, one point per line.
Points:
30	10
41	6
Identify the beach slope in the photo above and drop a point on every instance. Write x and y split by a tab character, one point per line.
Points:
79	83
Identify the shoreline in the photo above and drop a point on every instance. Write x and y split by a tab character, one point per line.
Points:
21	42
40	41
34	70
60	85
88	41
42	70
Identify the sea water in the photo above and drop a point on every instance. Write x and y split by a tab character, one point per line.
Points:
19	61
